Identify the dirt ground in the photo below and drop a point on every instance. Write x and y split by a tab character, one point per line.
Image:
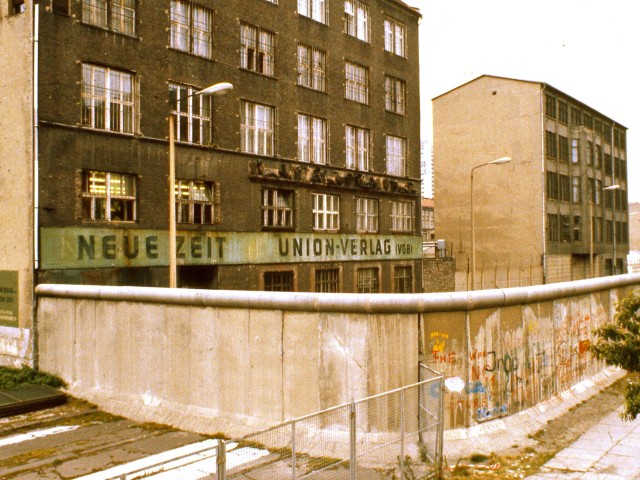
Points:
519	462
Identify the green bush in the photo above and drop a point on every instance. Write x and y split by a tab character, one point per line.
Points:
15	377
618	343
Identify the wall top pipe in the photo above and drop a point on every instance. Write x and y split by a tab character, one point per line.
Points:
342	302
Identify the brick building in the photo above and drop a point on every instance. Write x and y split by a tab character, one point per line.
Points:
549	214
305	176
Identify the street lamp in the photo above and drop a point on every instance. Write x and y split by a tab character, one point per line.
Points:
213	90
613	203
498	161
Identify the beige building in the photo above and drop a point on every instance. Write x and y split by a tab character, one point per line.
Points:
544	216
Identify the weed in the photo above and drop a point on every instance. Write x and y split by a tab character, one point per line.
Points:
15	377
478	458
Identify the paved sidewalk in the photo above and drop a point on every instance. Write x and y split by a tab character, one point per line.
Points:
610	450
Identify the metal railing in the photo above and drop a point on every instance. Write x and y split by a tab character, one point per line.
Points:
396	434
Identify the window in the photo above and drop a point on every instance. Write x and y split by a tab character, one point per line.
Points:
194	202
17	6
587	120
608	232
596	225
608	164
575	192
576	117
553	189
107	99
278	281
427	218
312	67
395	93
314	9
396	156
191	28
366	215
257	128
273	1
356	19
563	112
395	34
357	148
256	49
551	144
356	83
402	280
367	280
116	15
312	139
326	212
327	280
192	113
598	189
60	7
589	153
401	216
277	208
563	148
554	232
108	196
565	228
565	188
598	156
550	106
577	228
608	198
575	150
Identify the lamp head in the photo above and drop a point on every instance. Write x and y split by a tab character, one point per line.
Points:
499	161
217	89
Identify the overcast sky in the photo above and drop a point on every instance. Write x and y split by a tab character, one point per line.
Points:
586	48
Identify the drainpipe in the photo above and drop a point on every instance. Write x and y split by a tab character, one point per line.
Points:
36	186
544	200
615	194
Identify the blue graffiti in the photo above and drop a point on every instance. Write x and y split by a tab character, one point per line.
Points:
485	413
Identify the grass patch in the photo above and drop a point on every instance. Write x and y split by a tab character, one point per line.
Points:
16	377
24	458
479	458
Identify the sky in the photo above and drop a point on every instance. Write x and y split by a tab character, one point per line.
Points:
588	49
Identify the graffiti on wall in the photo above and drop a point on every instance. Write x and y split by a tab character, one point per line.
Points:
508	366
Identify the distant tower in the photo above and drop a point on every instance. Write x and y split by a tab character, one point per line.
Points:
426	168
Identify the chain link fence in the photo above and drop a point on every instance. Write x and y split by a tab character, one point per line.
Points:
393	435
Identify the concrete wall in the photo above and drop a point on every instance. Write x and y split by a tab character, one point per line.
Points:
439	274
16	182
232	362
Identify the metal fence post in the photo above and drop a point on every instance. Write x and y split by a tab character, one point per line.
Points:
221	460
352	440
440	434
293	451
401	433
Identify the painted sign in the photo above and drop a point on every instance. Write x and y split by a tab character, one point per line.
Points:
104	247
8	298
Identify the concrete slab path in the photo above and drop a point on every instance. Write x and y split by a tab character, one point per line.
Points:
610	450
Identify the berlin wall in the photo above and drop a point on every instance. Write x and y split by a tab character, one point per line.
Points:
237	361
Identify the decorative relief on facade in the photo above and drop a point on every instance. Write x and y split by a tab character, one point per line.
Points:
320	175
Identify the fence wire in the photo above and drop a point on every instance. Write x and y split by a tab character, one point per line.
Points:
397	434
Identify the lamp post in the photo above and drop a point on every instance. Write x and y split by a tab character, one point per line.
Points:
498	161
214	90
613	203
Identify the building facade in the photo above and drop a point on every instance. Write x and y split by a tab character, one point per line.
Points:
427	219
304	177
556	211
